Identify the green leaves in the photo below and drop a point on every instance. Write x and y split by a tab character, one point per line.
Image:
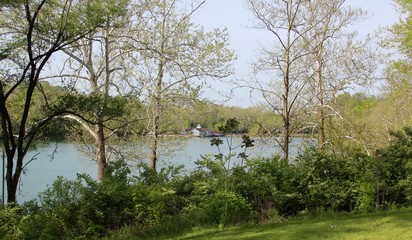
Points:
394	173
335	181
216	142
87	105
230	127
247	142
12	3
402	30
69	20
102	12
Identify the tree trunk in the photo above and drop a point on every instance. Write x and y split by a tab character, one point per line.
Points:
321	112
158	100
286	138
100	141
321	127
100	146
12	184
22	145
286	116
378	200
153	148
155	127
286	86
286	120
11	181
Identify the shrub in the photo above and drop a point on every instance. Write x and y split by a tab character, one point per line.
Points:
10	219
271	185
335	181
81	208
394	170
109	204
56	216
227	208
155	198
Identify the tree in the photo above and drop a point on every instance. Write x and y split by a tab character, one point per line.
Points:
401	32
173	59
399	65
340	60
354	122
394	110
284	84
27	44
313	58
94	63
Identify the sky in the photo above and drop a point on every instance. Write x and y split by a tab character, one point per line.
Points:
245	40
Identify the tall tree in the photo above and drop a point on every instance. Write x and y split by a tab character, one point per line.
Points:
394	109
314	56
31	32
338	58
173	59
399	84
401	32
94	67
280	75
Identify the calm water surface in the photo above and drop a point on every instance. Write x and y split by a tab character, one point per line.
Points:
65	159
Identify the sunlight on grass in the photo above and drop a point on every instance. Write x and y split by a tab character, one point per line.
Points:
395	224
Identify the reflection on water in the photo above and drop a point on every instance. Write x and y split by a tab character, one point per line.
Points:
65	159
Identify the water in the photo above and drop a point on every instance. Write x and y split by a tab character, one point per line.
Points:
53	160
65	159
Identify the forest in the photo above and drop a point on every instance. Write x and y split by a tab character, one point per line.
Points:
106	72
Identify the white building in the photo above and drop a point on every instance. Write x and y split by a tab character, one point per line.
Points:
201	132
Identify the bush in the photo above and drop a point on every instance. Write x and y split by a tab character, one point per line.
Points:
57	215
159	198
10	218
394	170
336	181
271	185
226	208
81	208
109	204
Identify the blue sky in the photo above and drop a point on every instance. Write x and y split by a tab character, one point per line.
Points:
233	15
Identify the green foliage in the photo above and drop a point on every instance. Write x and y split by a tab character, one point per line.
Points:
394	169
366	196
87	105
270	185
217	193
107	205
10	2
227	207
44	96
166	202
334	181
100	11
353	123
230	127
154	197
401	31
73	19
82	207
257	186
10	221
56	217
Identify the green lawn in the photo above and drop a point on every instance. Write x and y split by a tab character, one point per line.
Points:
395	224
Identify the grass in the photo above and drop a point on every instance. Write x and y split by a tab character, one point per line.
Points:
394	224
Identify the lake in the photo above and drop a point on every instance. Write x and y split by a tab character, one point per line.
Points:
67	159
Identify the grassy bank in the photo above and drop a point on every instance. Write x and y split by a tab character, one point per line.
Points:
394	224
